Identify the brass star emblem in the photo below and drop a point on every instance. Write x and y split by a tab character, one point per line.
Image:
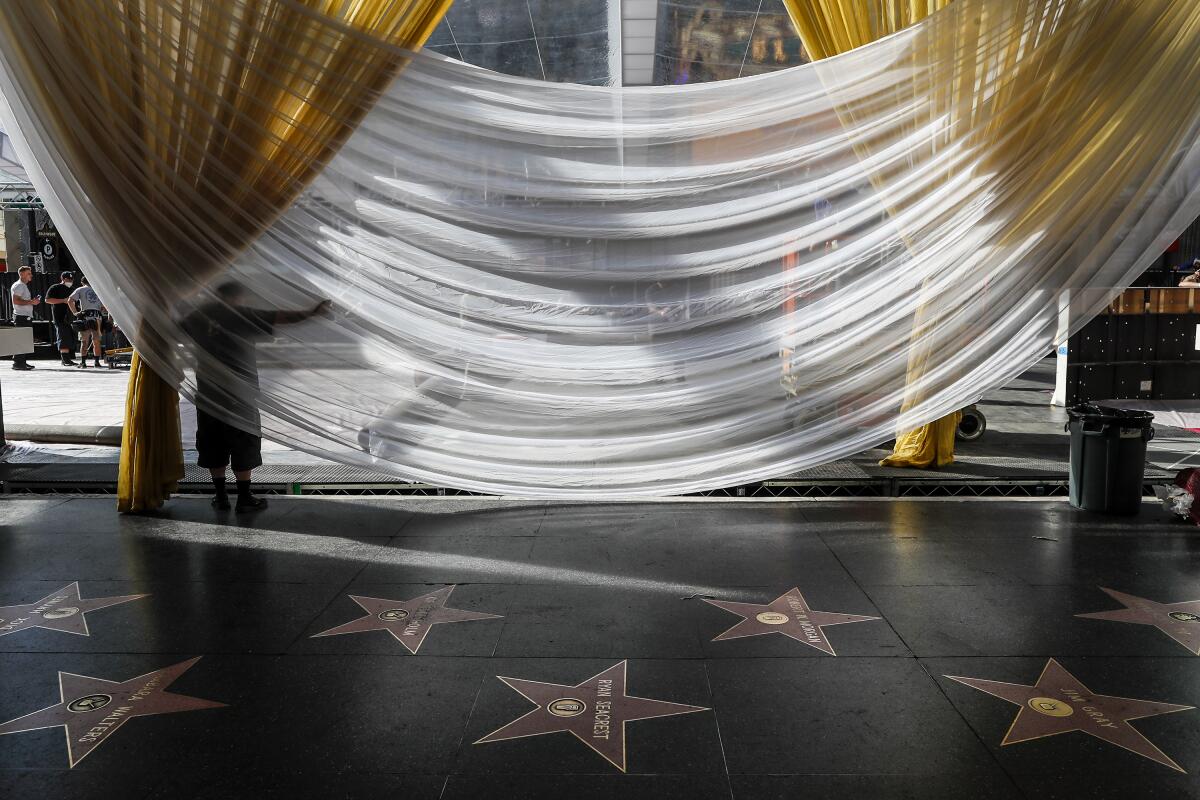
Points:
595	712
1180	621
408	621
63	610
1059	703
789	615
91	710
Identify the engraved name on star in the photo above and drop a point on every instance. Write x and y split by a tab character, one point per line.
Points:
91	710
789	615
63	610
595	712
408	621
1180	621
1059	703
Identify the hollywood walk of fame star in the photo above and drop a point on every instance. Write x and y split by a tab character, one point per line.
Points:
92	709
789	615
63	610
409	621
1059	703
1180	621
595	712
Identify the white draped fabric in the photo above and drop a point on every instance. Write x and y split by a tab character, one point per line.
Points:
549	289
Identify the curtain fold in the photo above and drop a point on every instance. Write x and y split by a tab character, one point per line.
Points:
151	456
829	28
238	103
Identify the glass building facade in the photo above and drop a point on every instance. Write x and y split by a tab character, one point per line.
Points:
694	40
545	39
711	40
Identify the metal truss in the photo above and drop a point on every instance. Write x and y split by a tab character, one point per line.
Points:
1054	486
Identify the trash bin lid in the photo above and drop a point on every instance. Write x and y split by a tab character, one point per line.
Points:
1128	418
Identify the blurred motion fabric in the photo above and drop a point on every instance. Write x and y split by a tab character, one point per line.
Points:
550	289
189	127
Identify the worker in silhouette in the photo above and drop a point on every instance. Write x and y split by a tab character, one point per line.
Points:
228	428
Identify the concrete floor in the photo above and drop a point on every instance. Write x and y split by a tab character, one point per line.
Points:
755	650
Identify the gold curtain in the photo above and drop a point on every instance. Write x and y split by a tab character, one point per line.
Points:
151	456
216	113
828	28
1012	113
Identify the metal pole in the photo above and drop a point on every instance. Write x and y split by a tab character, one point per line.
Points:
3	443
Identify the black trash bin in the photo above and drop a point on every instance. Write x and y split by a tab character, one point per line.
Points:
1108	457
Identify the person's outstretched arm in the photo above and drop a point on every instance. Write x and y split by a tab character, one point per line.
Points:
289	317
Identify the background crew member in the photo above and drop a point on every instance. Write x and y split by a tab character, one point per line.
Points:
57	297
23	305
86	303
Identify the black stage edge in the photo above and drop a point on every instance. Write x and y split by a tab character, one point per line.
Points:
1013	477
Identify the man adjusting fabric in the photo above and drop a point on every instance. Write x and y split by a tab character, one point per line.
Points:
227	420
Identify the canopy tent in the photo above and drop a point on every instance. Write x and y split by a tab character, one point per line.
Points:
551	289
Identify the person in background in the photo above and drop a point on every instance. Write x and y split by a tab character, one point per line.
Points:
57	297
85	303
227	421
1192	281
23	304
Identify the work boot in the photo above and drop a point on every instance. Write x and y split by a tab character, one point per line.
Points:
246	501
250	503
221	501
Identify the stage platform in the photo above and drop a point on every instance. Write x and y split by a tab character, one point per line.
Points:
464	648
969	477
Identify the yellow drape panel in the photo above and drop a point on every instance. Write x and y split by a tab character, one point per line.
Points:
151	455
1028	129
929	445
234	105
830	27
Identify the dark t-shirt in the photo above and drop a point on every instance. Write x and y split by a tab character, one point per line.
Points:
60	310
226	365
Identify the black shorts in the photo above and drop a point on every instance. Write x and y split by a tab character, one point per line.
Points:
220	445
66	334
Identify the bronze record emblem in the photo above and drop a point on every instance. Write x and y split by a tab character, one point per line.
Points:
91	702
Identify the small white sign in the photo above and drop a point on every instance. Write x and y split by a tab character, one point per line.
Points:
1147	386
